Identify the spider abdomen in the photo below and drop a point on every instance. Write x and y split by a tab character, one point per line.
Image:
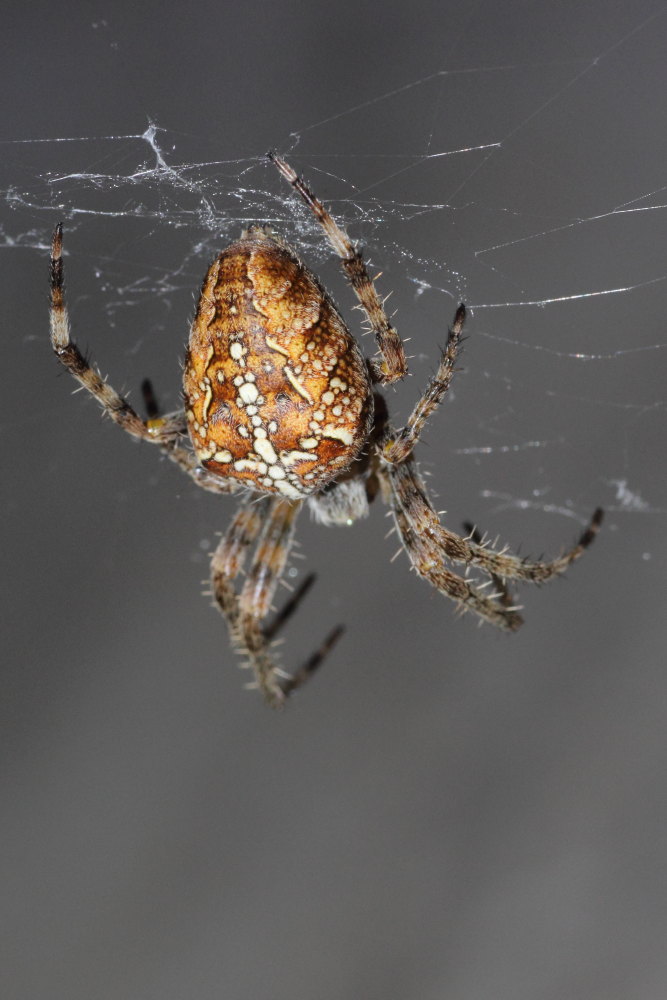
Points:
277	392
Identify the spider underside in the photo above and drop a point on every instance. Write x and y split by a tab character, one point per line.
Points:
282	408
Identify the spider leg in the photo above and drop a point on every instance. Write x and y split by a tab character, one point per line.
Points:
165	432
176	421
269	523
229	557
391	365
410	493
509	567
398	445
504	594
429	564
150	400
432	543
282	616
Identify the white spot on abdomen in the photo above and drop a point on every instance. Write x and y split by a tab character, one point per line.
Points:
340	433
264	448
248	392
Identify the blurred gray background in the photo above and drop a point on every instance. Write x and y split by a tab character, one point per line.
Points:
444	812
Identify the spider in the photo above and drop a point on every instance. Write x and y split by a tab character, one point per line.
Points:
282	408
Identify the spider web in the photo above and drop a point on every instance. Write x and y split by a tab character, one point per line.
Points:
530	207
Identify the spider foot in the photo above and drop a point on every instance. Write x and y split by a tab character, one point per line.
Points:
288	609
276	683
290	682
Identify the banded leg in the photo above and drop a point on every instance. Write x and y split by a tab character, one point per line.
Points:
399	445
410	493
419	528
510	567
428	563
229	558
504	594
167	433
429	544
391	365
269	523
282	616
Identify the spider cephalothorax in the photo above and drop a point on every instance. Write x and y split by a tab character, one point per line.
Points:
282	407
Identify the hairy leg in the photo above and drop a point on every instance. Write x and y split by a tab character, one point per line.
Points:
398	445
391	365
267	523
167	432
